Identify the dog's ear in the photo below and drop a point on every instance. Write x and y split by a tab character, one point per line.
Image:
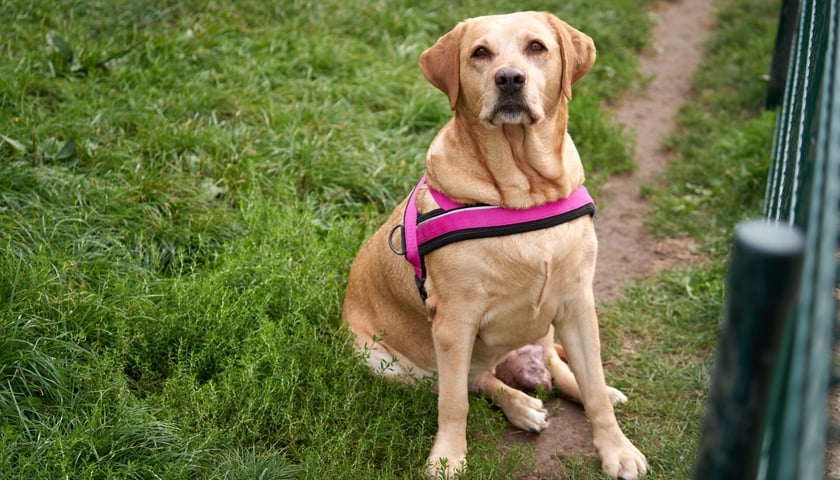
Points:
441	63
577	52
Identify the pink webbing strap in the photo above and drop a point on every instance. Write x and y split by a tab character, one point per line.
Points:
454	222
488	216
412	252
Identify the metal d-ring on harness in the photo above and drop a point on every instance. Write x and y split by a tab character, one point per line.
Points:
453	222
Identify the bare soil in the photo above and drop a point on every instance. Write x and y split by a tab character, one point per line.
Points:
627	251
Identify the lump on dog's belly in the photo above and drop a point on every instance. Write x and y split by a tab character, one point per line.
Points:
525	369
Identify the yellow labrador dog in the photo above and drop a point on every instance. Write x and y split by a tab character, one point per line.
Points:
509	80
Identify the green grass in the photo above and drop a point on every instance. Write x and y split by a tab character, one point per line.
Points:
183	186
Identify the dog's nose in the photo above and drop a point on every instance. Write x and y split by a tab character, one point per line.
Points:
510	79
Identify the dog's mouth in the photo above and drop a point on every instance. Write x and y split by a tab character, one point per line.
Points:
511	110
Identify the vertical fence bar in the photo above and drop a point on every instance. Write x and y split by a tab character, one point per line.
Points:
762	286
781	179
781	55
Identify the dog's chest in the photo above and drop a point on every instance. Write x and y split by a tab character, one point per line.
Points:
522	310
519	283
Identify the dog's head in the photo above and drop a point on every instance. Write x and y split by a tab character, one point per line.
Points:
509	69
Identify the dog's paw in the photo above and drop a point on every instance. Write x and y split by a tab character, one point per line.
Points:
616	396
533	420
445	468
621	459
524	411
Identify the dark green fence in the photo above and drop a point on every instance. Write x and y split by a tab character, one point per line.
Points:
767	416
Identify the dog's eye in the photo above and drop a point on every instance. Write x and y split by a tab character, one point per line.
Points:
480	52
536	47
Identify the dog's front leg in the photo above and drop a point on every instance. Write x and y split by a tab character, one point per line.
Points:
453	339
578	333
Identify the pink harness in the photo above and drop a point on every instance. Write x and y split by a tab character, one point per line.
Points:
454	222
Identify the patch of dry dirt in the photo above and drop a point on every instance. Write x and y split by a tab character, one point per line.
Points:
626	250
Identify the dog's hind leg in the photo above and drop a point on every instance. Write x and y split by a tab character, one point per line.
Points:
561	375
382	361
563	378
522	410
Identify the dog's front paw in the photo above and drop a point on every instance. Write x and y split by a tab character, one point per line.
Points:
616	396
444	468
621	459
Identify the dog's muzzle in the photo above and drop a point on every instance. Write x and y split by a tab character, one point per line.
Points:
510	103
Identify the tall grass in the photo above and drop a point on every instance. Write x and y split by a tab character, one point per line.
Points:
183	186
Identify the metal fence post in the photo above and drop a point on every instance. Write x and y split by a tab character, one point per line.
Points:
762	287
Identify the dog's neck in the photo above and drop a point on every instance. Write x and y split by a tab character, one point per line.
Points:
514	166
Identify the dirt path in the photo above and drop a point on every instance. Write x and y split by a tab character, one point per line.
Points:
626	250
